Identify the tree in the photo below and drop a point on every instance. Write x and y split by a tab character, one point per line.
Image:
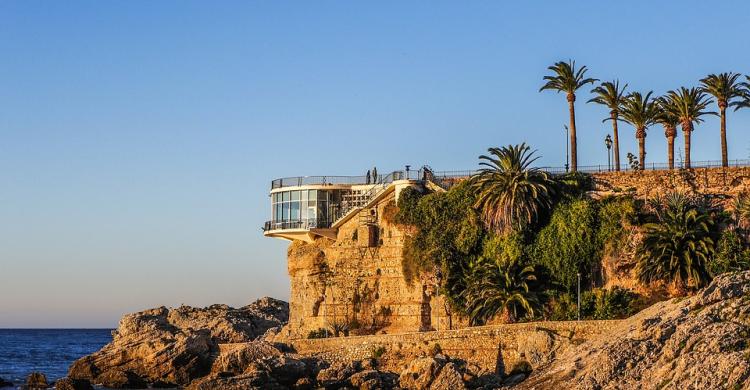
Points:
688	105
640	111
728	92
610	95
666	117
566	78
678	247
510	193
495	287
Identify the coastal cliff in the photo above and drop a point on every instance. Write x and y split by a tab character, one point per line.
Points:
702	341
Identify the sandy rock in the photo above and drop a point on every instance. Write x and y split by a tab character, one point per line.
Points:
284	369
73	384
36	380
257	380
119	379
177	346
420	373
701	342
338	375
449	378
237	360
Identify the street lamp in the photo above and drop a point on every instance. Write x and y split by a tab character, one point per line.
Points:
579	296
608	142
567	146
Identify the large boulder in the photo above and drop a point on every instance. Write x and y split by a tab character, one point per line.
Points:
177	346
420	373
36	380
700	342
73	384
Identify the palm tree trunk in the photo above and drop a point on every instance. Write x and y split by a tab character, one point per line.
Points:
686	130
642	148
724	156
573	140
670	151
617	142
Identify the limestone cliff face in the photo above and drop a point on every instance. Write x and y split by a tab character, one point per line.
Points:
356	283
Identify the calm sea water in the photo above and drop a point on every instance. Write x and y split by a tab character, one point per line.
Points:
50	351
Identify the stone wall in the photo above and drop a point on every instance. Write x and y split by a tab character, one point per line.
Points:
352	283
722	182
492	348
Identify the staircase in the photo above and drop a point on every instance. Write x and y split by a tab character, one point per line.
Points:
357	200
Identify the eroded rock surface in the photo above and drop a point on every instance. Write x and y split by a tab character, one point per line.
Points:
175	346
700	342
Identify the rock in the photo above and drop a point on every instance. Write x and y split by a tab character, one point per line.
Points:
337	375
163	385
36	380
239	358
373	379
420	373
4	383
449	378
177	346
700	342
118	379
259	380
73	384
514	379
284	369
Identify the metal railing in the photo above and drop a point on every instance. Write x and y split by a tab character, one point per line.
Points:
420	174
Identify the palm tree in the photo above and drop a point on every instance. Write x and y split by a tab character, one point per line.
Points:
678	247
688	105
728	93
495	287
567	79
510	193
610	95
669	121
640	111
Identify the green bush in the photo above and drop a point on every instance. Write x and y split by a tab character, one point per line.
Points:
732	254
448	234
615	215
568	244
597	304
320	333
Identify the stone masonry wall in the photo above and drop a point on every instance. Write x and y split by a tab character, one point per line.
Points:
722	182
492	348
348	283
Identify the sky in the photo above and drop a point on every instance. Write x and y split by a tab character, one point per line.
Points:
138	139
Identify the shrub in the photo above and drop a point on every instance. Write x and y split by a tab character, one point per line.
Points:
377	352
568	244
319	333
732	254
615	216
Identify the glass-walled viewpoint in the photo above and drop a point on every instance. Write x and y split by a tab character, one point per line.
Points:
304	209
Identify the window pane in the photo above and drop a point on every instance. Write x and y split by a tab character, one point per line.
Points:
313	194
295	195
295	211
285	196
284	212
304	194
277	217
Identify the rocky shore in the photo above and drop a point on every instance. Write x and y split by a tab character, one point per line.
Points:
697	342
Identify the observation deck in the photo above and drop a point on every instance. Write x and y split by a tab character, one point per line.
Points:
304	207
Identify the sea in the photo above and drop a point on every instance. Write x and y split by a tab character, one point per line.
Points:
49	351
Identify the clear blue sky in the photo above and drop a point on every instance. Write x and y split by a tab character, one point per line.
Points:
138	139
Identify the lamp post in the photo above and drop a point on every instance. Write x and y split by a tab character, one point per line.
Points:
579	296
608	143
567	147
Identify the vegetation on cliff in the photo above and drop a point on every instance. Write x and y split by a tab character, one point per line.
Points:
513	242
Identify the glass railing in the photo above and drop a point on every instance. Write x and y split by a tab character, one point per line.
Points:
305	224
